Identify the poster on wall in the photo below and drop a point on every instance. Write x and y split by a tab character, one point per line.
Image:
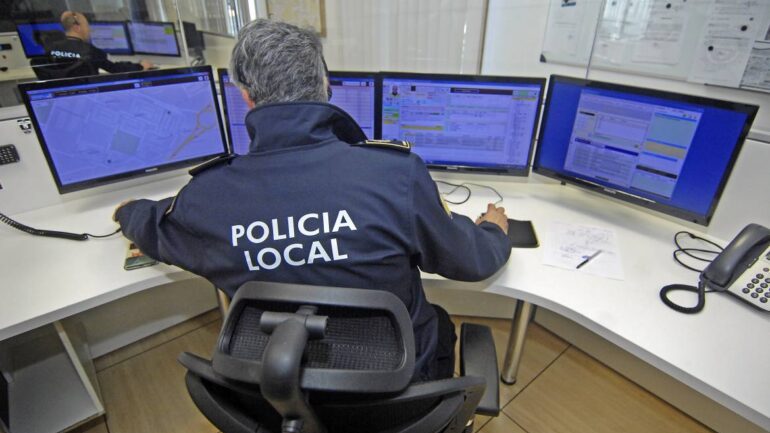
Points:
570	31
757	73
726	42
306	14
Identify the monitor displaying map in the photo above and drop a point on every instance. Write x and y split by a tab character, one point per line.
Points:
353	92
102	129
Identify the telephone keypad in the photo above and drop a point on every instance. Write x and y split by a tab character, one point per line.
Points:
754	285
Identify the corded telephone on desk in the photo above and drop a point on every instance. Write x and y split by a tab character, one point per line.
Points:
741	269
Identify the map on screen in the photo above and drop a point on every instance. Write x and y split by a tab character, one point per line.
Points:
100	130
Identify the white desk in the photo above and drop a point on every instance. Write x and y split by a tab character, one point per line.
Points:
719	352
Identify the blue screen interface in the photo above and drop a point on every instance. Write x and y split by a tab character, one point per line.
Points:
462	123
666	150
99	130
352	94
110	37
154	38
34	37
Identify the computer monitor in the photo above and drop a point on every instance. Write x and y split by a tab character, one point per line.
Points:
354	92
463	122
193	37
35	37
105	128
111	37
669	152
154	37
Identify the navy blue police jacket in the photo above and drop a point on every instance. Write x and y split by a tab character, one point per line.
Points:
307	206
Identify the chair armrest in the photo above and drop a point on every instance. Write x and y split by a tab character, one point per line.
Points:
479	358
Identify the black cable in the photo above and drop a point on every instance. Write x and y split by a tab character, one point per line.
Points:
455	187
51	233
465	186
689	251
487	187
700	289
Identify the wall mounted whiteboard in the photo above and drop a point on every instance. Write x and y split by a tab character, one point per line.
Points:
721	42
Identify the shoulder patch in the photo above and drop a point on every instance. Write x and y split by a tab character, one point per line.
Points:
403	146
210	163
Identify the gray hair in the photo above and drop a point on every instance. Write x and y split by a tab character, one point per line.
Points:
278	62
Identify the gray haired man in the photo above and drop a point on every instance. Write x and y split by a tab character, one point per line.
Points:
314	203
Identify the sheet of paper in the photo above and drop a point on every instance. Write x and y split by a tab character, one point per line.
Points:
570	30
567	245
757	73
661	40
726	42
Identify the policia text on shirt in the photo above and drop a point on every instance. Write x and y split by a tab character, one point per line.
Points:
295	254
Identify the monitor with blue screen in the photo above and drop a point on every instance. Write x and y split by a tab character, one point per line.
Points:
666	151
463	122
111	37
35	37
354	92
155	38
100	129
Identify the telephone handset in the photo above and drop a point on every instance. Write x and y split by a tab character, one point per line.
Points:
741	269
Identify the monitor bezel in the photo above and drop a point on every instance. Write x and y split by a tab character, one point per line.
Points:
149	53
24	88
226	114
128	37
23	46
607	191
522	171
377	94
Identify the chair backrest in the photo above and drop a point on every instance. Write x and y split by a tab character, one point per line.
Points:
52	68
315	359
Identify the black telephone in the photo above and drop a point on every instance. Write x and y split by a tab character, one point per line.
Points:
741	269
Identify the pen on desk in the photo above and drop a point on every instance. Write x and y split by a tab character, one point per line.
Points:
588	259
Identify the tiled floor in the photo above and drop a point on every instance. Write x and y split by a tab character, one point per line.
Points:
559	389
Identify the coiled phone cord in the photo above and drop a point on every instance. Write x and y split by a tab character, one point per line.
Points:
700	289
51	233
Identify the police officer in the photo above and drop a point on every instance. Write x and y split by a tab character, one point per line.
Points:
314	203
76	49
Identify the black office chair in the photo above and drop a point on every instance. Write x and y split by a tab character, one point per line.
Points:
294	358
48	68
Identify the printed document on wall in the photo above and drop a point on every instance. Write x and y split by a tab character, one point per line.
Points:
725	45
569	31
583	248
757	73
661	40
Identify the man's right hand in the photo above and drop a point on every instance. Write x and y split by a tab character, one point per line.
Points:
495	215
146	65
